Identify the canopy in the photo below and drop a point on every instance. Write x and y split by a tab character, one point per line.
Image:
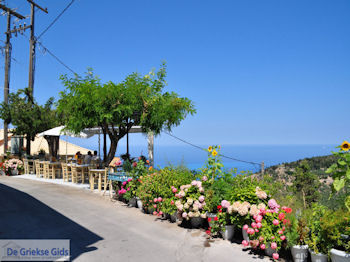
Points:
57	131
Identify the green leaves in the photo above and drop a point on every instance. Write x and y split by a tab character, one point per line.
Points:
339	183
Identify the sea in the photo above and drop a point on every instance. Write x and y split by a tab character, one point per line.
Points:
242	157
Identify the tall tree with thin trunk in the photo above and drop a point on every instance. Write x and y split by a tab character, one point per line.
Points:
117	107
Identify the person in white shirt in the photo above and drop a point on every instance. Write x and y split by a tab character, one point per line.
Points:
88	158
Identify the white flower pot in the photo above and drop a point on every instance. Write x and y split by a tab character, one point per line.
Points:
139	203
318	257
245	235
300	253
339	256
229	232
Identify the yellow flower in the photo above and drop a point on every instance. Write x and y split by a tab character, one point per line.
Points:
345	146
210	148
214	153
150	168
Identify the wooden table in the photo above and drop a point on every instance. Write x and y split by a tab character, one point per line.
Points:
99	173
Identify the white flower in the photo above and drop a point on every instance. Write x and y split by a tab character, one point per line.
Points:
186	206
190	201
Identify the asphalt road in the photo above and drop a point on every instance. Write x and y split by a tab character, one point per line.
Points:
100	229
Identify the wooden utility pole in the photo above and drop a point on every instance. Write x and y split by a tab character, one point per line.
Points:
32	44
8	65
262	167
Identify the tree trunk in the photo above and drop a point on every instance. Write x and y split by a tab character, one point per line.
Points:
112	150
28	140
53	142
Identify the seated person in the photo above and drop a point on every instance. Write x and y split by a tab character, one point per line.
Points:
87	159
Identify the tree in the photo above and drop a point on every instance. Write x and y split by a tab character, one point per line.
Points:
306	184
27	117
117	107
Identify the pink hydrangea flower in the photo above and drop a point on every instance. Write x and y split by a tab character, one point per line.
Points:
155	206
154	213
155	200
124	183
245	227
258	218
174	190
273	245
194	183
261	238
273	204
225	204
253	225
204	178
245	243
262	246
172	202
250	231
130	179
184	214
256	230
159	199
275	256
275	222
258	225
282	237
160	213
201	198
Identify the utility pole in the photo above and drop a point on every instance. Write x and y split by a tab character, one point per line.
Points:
8	66
32	44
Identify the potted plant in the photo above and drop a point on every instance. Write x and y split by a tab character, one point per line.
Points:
221	224
336	225
317	238
191	203
13	167
41	154
297	234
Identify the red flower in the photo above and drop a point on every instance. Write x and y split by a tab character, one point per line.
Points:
219	207
281	216
209	219
215	218
208	232
288	210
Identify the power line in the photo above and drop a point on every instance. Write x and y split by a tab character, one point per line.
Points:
54	56
54	21
235	159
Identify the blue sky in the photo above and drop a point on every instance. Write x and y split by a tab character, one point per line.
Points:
258	72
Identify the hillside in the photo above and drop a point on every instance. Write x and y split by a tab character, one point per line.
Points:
317	164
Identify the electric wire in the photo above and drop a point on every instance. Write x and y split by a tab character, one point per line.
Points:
198	147
55	20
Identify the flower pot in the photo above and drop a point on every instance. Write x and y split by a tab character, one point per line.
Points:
14	172
300	253
245	235
196	222
150	210
269	251
139	203
229	232
339	256
132	202
211	215
173	218
318	257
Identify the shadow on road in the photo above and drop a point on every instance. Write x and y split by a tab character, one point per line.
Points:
24	217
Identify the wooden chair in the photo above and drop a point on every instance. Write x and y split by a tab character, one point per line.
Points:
26	166
66	172
77	174
47	170
39	170
102	178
